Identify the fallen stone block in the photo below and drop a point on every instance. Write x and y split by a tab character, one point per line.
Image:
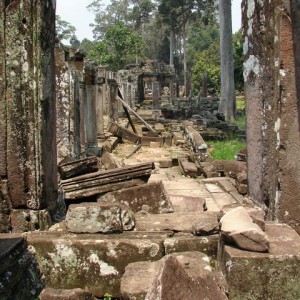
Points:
205	227
173	282
93	261
78	167
108	161
151	197
61	294
99	217
166	163
272	275
105	181
237	227
182	203
139	276
242	188
187	168
177	222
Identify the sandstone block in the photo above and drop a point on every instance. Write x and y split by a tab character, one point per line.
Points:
151	197
272	275
93	261
98	217
177	222
183	203
237	227
139	276
61	294
173	282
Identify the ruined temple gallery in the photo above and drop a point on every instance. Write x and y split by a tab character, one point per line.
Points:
107	186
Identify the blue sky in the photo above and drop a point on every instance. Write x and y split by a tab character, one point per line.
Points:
75	12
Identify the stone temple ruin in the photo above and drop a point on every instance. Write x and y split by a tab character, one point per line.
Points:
105	181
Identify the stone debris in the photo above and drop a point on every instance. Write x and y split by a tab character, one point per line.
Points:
188	168
99	217
271	275
194	137
78	167
167	286
106	181
237	227
61	294
139	276
151	197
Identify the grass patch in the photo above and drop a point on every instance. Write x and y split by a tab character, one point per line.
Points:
240	103
240	121
225	150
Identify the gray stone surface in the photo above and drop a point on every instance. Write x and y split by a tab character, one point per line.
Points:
99	217
151	197
61	294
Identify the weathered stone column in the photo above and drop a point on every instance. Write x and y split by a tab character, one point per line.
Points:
272	110
100	100
68	74
82	113
113	103
90	111
27	104
155	95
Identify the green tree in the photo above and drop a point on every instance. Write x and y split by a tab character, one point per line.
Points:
86	45
118	47
64	30
106	17
237	40
208	62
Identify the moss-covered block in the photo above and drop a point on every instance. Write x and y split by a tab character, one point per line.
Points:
272	275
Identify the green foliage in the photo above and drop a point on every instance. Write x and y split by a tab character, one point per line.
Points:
107	296
118	47
237	40
226	150
64	30
208	62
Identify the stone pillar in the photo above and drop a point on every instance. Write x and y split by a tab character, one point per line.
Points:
100	100
272	111
68	75
90	111
82	113
155	95
204	86
113	103
27	104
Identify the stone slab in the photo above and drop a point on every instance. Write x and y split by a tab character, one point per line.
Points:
93	261
151	197
177	222
273	275
183	203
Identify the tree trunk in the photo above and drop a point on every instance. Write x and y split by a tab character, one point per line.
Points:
184	61
227	100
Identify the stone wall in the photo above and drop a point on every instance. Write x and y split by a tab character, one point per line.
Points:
272	111
27	104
